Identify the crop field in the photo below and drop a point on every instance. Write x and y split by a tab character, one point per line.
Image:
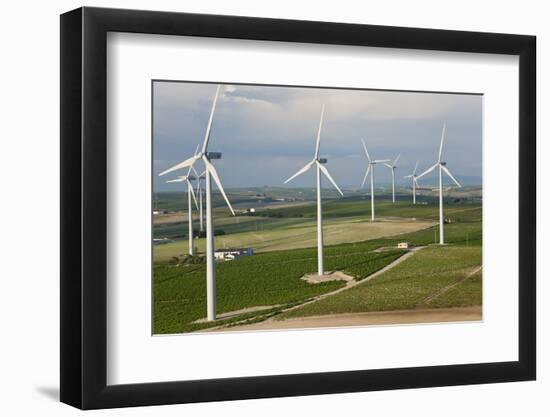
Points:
303	234
273	280
410	285
342	224
265	285
350	207
270	279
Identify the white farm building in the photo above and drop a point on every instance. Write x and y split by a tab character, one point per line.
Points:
232	253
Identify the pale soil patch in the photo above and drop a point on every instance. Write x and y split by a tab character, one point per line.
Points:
327	276
438	315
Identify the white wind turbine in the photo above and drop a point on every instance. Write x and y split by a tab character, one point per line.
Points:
370	169
414	182
210	173
188	178
318	163
392	167
442	168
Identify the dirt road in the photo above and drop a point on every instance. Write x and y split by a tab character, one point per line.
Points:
434	315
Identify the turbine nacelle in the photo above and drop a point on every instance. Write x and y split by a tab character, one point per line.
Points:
322	160
214	155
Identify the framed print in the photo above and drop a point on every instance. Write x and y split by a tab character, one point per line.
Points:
257	208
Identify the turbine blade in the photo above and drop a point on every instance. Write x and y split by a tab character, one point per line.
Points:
192	193
442	140
380	161
184	164
396	159
415	168
324	170
444	168
179	179
319	132
366	151
427	171
212	170
408	176
301	171
388	165
366	176
209	126
195	172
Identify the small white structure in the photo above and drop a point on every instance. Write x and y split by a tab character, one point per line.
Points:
161	240
403	245
232	253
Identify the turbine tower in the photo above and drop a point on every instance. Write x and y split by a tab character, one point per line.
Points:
414	182
370	169
190	194
211	173
442	168
318	163
200	193
392	167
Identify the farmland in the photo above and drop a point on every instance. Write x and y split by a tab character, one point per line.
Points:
268	285
410	285
294	226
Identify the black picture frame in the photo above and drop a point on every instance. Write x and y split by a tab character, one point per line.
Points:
84	207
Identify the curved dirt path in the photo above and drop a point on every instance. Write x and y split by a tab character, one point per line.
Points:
349	284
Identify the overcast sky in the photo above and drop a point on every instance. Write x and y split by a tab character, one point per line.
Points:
268	133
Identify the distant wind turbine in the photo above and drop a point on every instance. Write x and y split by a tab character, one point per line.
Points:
370	169
392	167
442	168
190	195
318	163
414	183
210	173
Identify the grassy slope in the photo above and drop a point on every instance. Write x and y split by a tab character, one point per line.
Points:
405	286
466	293
262	280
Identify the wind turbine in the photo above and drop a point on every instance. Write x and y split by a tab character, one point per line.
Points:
442	168
210	173
392	167
370	169
190	194
318	163
414	182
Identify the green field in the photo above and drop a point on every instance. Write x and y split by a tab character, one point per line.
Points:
347	220
409	285
272	279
